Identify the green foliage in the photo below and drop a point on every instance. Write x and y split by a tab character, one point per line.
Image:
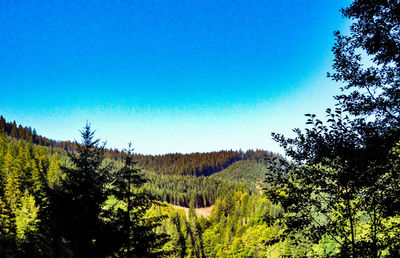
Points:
51	203
5	227
27	134
343	179
12	190
367	61
82	195
127	228
54	175
181	190
198	164
26	220
56	213
3	152
242	223
236	228
23	213
204	191
249	173
343	184
239	228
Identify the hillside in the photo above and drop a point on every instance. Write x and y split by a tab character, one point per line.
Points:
194	164
203	191
178	179
34	177
245	171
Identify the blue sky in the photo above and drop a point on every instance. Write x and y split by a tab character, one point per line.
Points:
170	76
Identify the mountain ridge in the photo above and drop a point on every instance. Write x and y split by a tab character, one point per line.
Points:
197	163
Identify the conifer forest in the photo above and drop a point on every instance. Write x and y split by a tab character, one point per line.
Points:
334	191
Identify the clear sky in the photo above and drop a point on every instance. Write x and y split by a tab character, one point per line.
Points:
170	76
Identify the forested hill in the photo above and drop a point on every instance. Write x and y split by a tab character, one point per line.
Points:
27	133
196	164
200	164
244	175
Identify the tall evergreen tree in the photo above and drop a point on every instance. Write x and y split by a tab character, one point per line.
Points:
27	227
129	225
82	196
12	190
54	174
3	147
5	228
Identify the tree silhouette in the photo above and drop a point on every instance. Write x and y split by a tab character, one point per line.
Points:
343	176
367	61
83	194
127	232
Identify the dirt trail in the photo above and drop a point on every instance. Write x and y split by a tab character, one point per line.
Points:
259	188
205	212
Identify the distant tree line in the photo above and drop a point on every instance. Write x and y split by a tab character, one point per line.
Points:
195	164
29	134
199	164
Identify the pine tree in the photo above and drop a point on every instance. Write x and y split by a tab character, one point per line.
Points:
41	157
2	124
14	131
27	224
37	184
13	190
54	173
6	240
177	237
80	201
3	147
129	224
3	154
20	158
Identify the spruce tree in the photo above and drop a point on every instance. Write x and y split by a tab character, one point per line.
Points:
80	201
54	173
3	147
128	223
12	190
177	236
27	226
5	228
3	154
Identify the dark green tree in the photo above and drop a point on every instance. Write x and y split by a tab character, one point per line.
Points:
3	151
337	179
80	200
177	236
343	175
367	61
132	234
5	228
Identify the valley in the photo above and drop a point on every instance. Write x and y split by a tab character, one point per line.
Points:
208	201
